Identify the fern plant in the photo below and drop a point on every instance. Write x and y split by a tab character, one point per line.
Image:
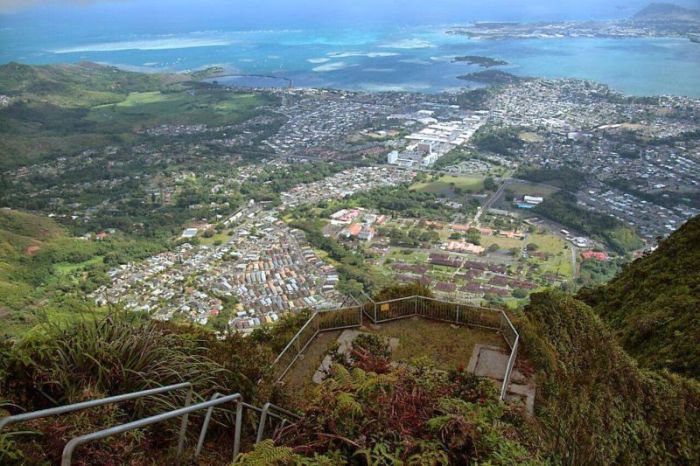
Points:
266	453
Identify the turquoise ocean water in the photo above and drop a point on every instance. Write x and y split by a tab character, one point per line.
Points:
374	59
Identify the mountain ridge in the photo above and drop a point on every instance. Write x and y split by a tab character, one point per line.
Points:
666	12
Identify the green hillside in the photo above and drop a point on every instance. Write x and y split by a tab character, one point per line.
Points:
654	304
594	404
75	85
61	110
25	242
45	273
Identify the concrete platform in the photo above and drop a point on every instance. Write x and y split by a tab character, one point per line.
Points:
345	340
491	362
524	394
485	361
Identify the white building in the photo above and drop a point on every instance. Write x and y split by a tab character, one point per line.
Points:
189	233
534	200
392	157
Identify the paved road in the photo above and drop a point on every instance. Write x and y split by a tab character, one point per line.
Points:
491	200
487	205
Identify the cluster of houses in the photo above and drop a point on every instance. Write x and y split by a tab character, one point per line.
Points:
160	285
472	279
648	218
266	274
274	270
265	267
632	152
346	183
319	119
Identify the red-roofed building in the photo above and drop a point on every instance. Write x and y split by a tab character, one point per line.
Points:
353	229
595	255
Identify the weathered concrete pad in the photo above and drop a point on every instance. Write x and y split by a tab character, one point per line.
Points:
491	361
344	347
524	394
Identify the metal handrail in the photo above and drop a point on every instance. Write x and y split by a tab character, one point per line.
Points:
68	450
263	417
239	421
291	342
295	339
509	368
94	403
237	428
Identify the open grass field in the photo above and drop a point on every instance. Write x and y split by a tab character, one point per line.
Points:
547	243
446	184
528	136
502	242
241	102
65	268
156	108
220	236
444	234
135	99
412	257
560	260
521	188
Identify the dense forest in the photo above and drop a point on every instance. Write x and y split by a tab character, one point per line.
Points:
653	304
501	140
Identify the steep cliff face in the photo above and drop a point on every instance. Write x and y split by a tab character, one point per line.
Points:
654	304
594	404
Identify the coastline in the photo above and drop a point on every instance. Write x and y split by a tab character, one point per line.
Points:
420	60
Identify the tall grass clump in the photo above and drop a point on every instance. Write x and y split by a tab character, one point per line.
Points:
125	353
119	354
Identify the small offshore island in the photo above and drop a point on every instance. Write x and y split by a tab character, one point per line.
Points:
484	62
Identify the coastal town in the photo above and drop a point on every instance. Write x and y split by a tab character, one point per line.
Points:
656	20
577	124
355	232
487	173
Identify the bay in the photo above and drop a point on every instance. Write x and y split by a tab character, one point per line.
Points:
419	59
